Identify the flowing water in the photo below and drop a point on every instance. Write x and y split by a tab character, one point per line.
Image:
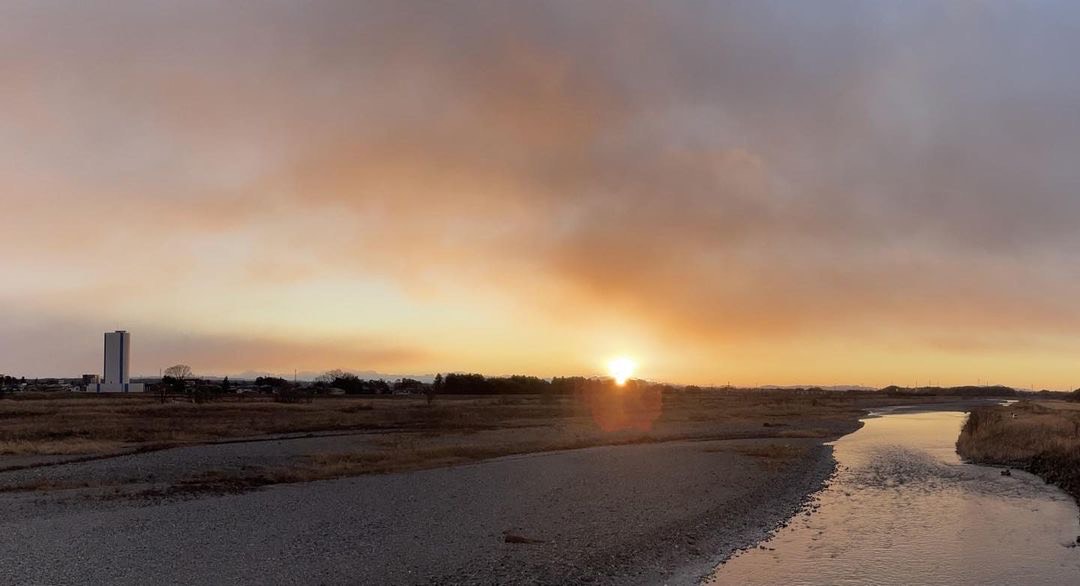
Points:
903	509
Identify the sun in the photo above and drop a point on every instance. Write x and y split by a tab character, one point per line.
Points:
621	369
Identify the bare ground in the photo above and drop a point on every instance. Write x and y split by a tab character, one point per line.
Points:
653	513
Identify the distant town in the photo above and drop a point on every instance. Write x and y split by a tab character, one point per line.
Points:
181	380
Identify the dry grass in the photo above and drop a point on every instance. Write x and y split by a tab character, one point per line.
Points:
1042	437
1059	405
89	424
452	431
63	447
1014	435
68	424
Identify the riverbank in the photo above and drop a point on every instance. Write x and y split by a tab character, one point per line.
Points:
135	445
1041	437
390	490
639	514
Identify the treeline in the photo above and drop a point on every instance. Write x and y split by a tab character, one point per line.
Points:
964	391
354	385
477	384
450	384
9	384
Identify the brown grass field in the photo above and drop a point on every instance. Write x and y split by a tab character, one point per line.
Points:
1042	437
406	433
87	424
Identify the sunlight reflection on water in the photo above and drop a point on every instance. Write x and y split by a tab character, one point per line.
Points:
903	509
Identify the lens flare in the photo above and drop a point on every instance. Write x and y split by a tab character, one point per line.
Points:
621	369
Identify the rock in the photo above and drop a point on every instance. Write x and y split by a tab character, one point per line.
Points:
1006	472
517	539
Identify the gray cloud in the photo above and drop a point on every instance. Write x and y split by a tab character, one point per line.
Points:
719	170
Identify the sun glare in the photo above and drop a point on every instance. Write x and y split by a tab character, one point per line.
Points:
621	369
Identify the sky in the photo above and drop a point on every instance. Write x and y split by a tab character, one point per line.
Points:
745	192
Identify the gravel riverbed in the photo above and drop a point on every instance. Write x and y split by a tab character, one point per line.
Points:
638	514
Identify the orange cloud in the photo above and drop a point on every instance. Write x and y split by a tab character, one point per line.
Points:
737	192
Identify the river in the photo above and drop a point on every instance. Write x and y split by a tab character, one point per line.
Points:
904	509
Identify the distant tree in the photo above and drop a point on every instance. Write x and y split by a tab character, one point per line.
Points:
348	382
518	385
378	386
271	381
330	376
476	384
466	384
180	371
354	385
226	386
175	380
169	385
571	385
436	387
408	385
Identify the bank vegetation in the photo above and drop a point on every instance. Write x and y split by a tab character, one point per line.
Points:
1042	437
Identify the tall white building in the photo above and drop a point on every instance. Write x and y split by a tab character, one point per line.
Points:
117	366
117	358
